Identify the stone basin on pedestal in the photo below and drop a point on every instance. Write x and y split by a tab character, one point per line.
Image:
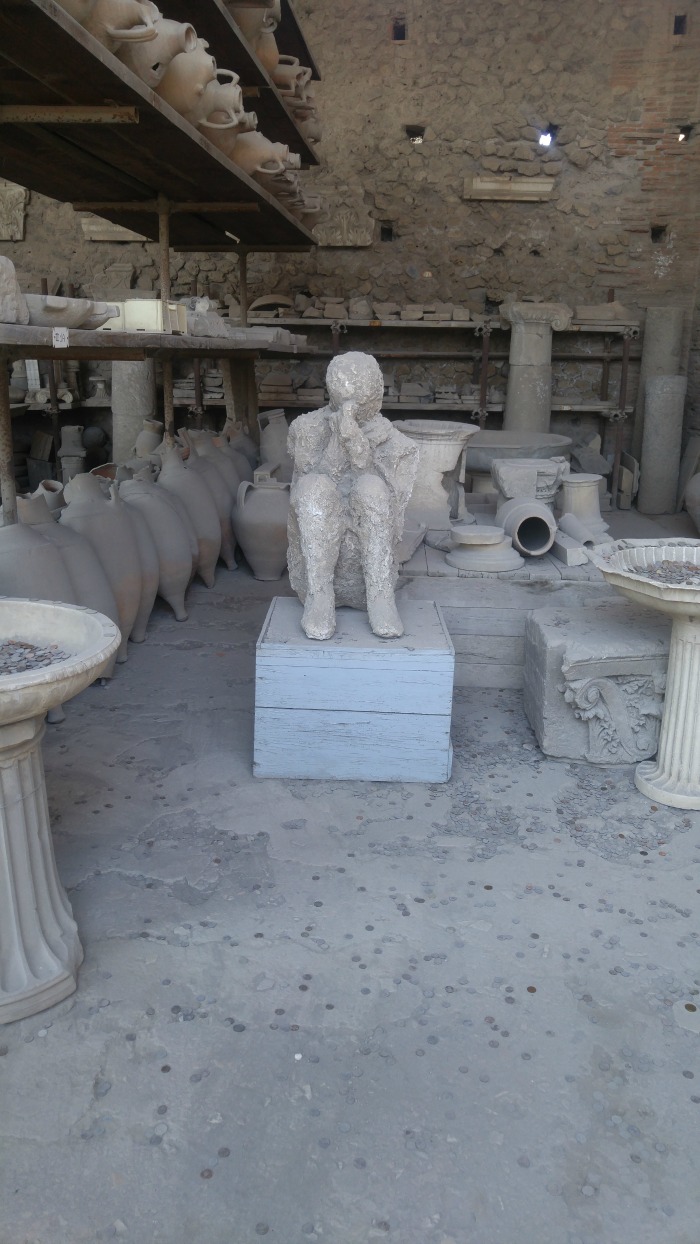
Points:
488	446
673	778
440	442
39	947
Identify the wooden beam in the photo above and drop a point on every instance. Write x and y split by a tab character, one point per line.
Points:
67	114
151	205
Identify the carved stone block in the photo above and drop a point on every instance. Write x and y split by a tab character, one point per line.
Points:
13	204
594	681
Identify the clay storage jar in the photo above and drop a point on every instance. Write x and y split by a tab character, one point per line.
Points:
170	538
192	492
222	497
260	523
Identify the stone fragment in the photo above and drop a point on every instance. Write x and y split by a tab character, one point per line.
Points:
360	309
414	311
13	305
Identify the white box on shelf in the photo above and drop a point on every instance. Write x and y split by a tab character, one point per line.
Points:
354	706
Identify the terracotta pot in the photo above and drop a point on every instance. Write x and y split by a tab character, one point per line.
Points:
241	463
254	153
289	75
171	541
193	493
88	580
185	80
530	525
221	104
150	570
222	497
267	51
150	60
260	523
52	492
206	445
251	21
274	431
148	439
72	440
240	440
32	566
114	22
106	524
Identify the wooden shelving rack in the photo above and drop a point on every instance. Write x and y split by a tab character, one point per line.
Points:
78	126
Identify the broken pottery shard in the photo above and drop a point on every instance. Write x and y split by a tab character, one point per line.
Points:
353	476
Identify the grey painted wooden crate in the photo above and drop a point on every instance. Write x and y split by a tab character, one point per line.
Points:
354	706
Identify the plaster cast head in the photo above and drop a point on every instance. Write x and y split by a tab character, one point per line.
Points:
356	378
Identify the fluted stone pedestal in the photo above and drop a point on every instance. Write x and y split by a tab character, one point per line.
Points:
39	947
529	397
673	778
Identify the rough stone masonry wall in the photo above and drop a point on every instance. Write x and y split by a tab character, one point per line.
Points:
484	79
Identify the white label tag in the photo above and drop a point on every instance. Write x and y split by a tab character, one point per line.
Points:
59	338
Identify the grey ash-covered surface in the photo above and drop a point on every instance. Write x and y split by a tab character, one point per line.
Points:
347	1012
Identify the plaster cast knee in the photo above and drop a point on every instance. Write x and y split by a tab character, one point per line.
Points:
371	495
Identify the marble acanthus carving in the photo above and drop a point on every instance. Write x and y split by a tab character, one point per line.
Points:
623	713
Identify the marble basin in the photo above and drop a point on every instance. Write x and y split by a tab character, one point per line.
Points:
673	778
54	311
40	950
87	637
440	444
488	446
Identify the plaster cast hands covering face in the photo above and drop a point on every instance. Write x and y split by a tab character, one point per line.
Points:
353	475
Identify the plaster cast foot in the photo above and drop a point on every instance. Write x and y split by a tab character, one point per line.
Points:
318	619
384	616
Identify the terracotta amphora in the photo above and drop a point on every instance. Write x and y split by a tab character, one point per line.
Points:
241	462
274	431
237	437
260	523
221	104
185	80
221	494
155	507
106	524
52	492
88	580
149	438
193	493
113	22
252	20
255	153
149	61
32	567
150	568
207	445
289	75
267	51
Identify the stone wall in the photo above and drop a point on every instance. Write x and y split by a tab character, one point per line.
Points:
483	80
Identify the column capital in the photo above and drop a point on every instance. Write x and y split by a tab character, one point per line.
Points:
556	314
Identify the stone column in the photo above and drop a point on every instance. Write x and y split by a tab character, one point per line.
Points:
39	948
674	777
529	398
133	400
661	356
661	444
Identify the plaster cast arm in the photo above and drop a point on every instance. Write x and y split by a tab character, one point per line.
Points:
353	438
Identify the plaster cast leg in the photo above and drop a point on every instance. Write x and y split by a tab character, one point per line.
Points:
318	508
373	518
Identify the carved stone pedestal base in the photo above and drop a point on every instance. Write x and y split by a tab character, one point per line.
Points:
594	680
39	947
674	777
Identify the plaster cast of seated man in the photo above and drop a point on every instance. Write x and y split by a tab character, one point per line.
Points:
353	476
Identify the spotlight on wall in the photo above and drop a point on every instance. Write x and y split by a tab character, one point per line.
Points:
545	139
684	132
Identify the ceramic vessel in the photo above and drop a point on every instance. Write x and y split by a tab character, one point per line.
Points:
436	493
241	442
114	22
150	60
222	497
530	525
267	51
673	778
40	951
150	570
170	539
289	75
31	566
207	445
252	20
221	104
193	493
106	524
184	81
52	492
255	153
274	431
89	584
260	523
149	438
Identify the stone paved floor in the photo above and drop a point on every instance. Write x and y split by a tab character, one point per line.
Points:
346	1012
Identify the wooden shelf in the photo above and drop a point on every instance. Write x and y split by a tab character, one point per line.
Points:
231	49
25	342
440	325
46	58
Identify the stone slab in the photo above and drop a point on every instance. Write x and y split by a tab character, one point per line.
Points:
593	681
354	706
